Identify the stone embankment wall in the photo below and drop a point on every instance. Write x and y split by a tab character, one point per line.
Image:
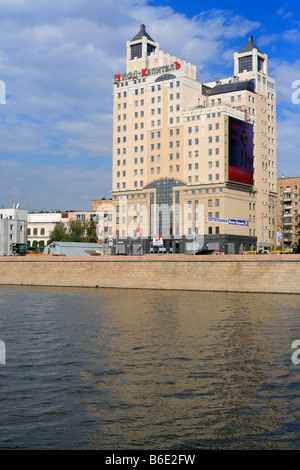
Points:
232	273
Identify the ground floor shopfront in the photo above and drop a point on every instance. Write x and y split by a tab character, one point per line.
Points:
227	244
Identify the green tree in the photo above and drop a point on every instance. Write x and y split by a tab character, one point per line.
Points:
91	230
59	233
73	231
77	229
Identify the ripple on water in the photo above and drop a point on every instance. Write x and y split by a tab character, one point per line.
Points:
117	369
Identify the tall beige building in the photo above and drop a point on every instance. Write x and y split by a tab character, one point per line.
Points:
194	165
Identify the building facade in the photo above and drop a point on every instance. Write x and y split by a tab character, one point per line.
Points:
41	224
71	249
13	229
288	211
194	164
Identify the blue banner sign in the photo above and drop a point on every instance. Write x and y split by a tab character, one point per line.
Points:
238	222
217	221
227	221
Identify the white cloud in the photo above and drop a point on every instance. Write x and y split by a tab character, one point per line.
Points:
288	143
288	120
48	186
292	35
284	13
285	73
58	60
268	39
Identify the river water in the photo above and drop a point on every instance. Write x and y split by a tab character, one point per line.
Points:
133	369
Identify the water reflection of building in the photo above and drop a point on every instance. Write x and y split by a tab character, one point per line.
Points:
171	148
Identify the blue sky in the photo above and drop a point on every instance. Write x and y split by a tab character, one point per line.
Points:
58	59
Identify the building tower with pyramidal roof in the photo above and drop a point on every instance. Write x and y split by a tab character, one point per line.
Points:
194	164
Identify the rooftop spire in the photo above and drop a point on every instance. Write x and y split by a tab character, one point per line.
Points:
249	46
142	32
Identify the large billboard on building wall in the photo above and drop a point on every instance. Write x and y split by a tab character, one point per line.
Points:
238	151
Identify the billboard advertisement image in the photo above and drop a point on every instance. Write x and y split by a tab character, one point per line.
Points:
239	154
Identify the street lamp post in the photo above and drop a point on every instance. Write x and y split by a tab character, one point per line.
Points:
282	212
262	238
105	234
194	217
194	241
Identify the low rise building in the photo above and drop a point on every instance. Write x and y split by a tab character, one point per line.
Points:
106	222
71	248
41	224
13	230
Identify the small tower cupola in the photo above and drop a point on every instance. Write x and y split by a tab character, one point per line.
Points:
142	44
142	32
250	58
249	46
